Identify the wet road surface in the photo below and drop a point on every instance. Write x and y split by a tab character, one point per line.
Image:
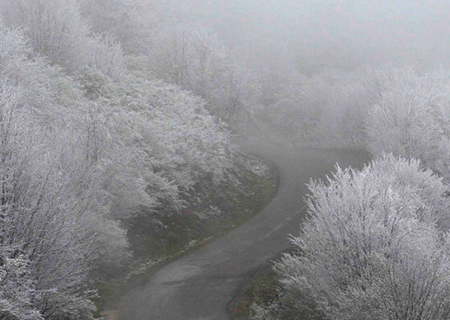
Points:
199	285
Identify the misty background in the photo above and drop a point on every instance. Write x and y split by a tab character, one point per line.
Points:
314	35
120	126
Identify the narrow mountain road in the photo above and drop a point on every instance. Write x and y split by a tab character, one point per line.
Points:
199	285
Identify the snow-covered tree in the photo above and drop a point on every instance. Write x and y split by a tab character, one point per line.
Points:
411	118
195	59
44	225
172	140
17	289
341	122
54	27
55	224
127	21
58	32
84	144
327	109
371	248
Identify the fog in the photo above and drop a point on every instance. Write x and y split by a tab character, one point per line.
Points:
312	35
134	133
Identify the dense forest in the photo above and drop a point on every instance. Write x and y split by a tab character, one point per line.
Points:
112	110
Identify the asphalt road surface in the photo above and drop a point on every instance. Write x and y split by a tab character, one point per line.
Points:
199	285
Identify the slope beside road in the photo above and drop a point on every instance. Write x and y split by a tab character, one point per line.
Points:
199	285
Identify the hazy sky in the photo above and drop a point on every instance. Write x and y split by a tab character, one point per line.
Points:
329	32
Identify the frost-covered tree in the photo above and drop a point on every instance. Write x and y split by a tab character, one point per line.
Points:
57	31
195	59
103	100
411	118
127	21
195	142
172	141
84	144
54	27
44	224
107	56
17	290
326	109
292	106
55	224
342	117
371	248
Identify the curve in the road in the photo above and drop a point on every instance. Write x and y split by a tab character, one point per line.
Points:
199	285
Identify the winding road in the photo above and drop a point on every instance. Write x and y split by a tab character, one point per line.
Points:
199	285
